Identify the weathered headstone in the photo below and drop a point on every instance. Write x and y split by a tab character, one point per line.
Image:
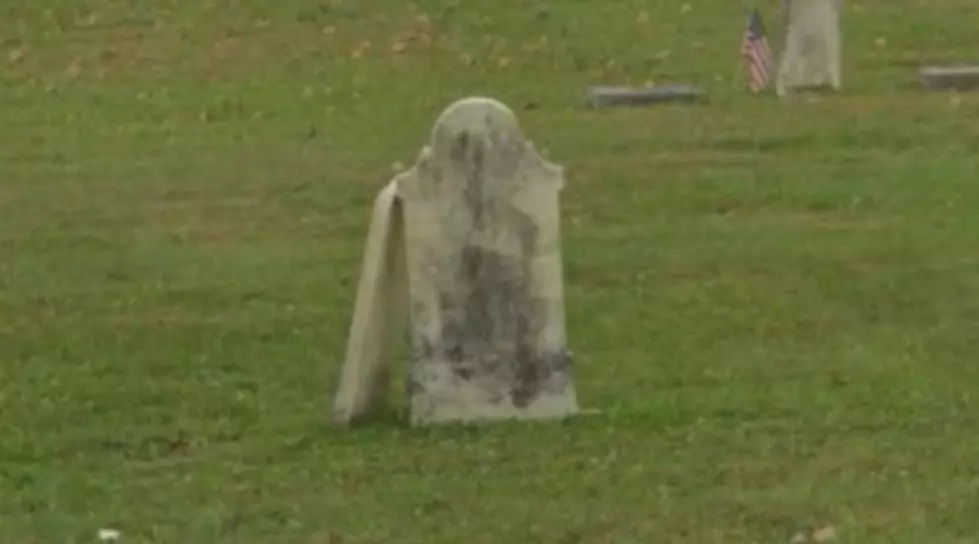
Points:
483	264
606	96
811	56
959	78
379	314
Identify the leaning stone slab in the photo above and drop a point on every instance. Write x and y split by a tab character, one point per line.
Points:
379	314
811	55
484	280
606	96
959	78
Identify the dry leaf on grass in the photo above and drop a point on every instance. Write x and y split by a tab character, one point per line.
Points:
824	534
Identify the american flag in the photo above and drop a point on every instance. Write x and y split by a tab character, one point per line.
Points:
756	52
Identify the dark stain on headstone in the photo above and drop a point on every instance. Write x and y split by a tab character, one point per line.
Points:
491	319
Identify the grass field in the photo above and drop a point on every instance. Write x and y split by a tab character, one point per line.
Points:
774	304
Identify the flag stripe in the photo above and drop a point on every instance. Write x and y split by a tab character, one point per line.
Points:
757	54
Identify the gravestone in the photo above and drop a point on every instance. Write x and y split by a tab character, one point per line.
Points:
811	55
607	96
958	78
379	313
475	226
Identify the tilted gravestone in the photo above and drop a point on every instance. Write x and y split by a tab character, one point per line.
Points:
468	240
811	56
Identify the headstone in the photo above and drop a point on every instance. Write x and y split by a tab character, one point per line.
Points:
379	314
959	78
605	96
484	280
811	56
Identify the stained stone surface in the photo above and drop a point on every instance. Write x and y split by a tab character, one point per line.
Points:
484	273
605	96
811	56
960	78
379	315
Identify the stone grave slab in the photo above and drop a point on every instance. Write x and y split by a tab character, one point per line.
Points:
958	78
608	96
811	56
483	276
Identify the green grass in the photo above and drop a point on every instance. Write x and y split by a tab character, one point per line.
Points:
774	305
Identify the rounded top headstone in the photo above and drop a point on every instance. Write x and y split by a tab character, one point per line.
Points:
479	117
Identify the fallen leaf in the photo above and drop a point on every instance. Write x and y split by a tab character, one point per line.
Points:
360	50
799	538
73	70
824	534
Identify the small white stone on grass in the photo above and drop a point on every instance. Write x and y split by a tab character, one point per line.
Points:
109	535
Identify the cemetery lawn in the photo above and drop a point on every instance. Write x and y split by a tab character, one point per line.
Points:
773	304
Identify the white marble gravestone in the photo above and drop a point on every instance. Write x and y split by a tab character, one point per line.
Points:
477	222
379	314
811	56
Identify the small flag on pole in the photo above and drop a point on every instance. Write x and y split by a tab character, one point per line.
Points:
756	52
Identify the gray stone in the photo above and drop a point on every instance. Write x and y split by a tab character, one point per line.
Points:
484	280
605	96
379	315
960	78
811	56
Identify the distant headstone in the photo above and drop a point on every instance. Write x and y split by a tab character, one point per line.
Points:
605	96
811	56
481	242
959	78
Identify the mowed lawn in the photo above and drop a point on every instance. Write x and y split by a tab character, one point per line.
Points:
774	304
